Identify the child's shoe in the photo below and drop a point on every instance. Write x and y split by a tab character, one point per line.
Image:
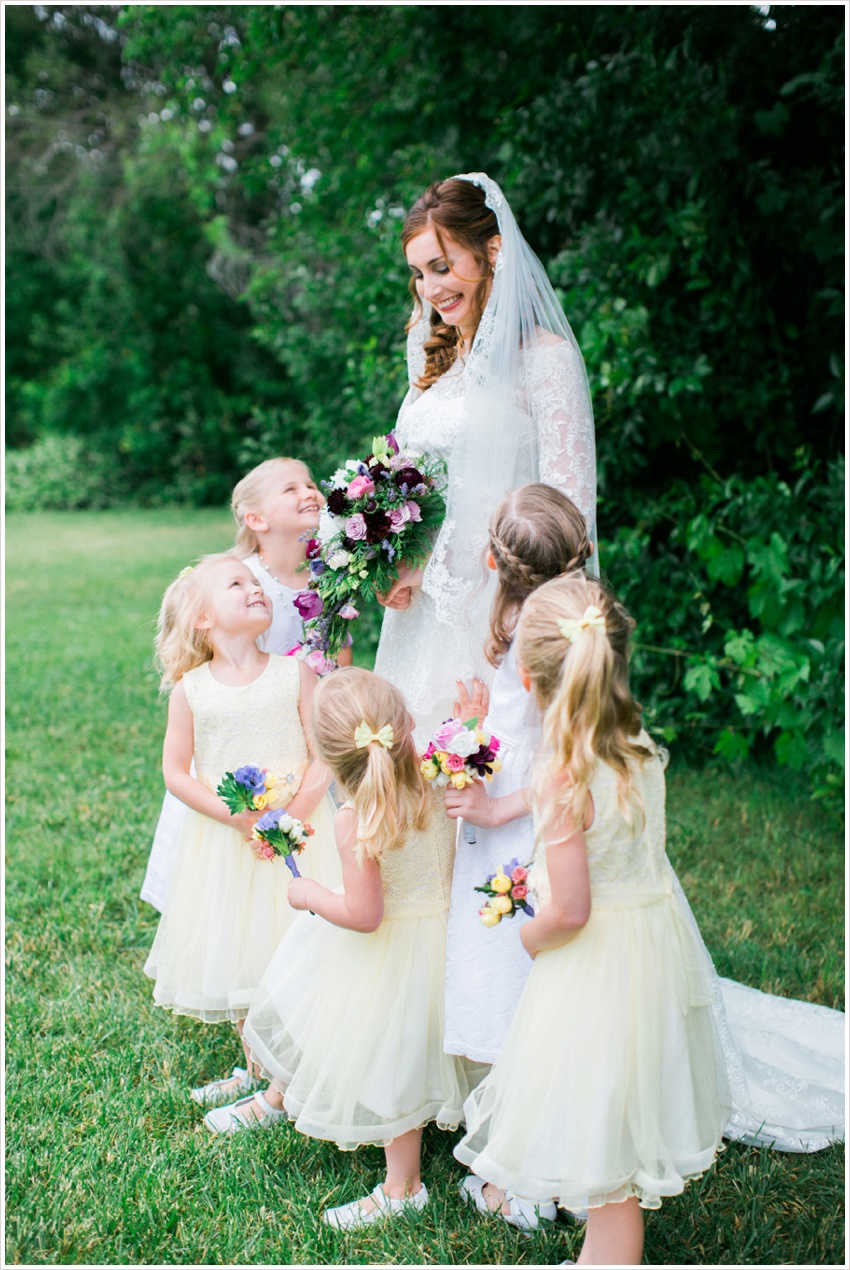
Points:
219	1091
525	1214
230	1119
350	1216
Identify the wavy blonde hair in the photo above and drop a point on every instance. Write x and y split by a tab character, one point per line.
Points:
247	497
457	209
582	687
386	787
179	646
536	534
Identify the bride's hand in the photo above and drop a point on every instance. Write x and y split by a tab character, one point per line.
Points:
401	592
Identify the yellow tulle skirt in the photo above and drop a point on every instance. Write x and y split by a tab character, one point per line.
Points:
612	1080
225	914
350	1027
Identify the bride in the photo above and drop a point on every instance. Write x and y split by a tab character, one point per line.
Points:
498	388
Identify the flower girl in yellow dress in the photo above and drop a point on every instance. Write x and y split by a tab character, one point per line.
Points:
610	1091
231	705
348	1020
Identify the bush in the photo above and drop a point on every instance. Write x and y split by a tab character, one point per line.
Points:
61	473
737	587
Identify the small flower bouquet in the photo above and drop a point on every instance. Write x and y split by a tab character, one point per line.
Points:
457	754
282	834
507	892
381	513
256	788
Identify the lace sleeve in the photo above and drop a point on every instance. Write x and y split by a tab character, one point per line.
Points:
561	410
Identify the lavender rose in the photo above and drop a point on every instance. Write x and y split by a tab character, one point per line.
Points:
355	528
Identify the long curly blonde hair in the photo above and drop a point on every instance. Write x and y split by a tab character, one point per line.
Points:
179	644
582	688
385	786
536	534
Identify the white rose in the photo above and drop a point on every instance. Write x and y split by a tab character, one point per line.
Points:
339	559
285	824
465	743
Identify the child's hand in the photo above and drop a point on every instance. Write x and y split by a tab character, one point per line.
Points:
245	822
299	891
472	707
473	803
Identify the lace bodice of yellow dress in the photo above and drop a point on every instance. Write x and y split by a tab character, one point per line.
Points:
417	877
624	865
255	724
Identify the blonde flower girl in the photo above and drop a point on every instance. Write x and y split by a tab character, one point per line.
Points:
348	1019
231	705
610	1091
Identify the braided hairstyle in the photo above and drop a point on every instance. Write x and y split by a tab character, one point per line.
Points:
457	209
536	533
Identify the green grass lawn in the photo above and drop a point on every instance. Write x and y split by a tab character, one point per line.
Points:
107	1161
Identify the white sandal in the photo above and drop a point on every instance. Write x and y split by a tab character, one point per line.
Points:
525	1214
229	1120
218	1091
350	1216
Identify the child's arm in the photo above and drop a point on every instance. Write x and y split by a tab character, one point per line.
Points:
476	805
569	908
361	905
177	751
318	777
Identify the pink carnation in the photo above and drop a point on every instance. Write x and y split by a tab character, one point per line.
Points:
519	874
360	487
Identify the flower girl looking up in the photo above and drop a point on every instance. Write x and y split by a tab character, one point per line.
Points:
610	1091
276	508
348	1020
231	705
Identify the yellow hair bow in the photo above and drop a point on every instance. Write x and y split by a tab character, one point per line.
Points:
570	627
363	736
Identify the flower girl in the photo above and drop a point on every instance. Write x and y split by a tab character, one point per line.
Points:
348	1020
230	705
610	1091
275	506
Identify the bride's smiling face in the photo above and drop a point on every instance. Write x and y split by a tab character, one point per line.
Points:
448	279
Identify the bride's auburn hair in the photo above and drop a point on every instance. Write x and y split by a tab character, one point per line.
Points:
385	786
582	688
536	534
180	645
457	209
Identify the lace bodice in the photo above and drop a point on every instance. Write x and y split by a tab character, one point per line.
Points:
625	863
257	723
417	877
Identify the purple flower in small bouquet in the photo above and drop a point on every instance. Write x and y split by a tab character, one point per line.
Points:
370	527
457	754
507	892
281	834
249	788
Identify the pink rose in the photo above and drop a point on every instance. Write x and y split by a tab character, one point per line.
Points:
519	874
413	511
455	763
360	487
399	516
267	850
355	528
519	892
446	733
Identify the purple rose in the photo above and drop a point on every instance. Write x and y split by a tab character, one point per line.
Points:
252	778
414	511
355	528
309	605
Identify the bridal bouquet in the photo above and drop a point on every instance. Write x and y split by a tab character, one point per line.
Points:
282	834
459	753
254	789
507	891
381	512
